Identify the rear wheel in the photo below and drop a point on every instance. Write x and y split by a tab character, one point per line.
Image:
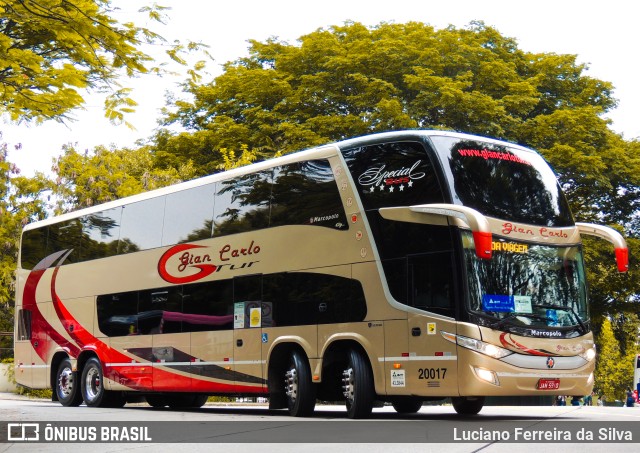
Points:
67	385
468	405
300	391
93	391
357	386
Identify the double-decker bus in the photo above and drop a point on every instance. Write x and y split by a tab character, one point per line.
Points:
400	267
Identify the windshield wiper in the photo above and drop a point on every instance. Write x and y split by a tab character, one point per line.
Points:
513	314
583	327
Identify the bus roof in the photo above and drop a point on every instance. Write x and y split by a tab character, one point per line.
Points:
323	151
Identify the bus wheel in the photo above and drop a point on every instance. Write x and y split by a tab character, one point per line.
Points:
93	391
67	385
407	406
200	400
468	405
300	391
357	386
157	401
185	400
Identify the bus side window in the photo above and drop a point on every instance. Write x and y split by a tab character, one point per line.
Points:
118	314
430	277
141	225
188	215
242	204
24	325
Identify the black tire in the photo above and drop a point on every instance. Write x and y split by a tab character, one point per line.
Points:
157	401
200	400
67	386
93	391
298	386
407	406
468	405
185	400
357	386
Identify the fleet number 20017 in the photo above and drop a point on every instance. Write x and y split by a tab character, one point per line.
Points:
432	373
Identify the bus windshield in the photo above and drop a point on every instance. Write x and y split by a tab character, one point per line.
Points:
529	289
503	182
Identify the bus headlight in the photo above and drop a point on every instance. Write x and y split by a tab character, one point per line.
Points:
477	345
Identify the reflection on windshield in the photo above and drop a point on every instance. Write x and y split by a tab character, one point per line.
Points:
527	285
503	182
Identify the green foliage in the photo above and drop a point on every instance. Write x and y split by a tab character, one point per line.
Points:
351	80
51	51
88	179
20	202
614	366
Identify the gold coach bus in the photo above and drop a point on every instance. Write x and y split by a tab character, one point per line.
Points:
398	267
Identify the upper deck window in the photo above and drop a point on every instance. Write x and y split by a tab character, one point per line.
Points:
393	174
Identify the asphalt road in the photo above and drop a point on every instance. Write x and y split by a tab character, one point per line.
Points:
240	428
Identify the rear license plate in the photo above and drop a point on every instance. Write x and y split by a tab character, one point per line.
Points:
549	384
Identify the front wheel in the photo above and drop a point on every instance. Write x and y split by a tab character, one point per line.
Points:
468	405
184	400
357	386
300	391
67	385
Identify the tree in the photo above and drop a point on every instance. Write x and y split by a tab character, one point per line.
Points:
351	80
20	202
53	50
614	367
88	179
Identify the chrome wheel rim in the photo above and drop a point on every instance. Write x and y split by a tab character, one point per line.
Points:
93	384
291	384
65	382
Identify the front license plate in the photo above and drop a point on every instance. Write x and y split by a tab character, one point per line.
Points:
549	384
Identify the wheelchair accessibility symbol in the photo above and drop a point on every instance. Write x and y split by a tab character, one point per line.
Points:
265	338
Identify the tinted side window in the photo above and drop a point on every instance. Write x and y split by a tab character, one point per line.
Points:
303	298
159	310
393	174
242	204
24	325
306	193
208	306
285	299
100	234
65	236
141	225
34	247
118	314
188	215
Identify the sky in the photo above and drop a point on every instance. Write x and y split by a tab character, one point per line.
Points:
602	34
